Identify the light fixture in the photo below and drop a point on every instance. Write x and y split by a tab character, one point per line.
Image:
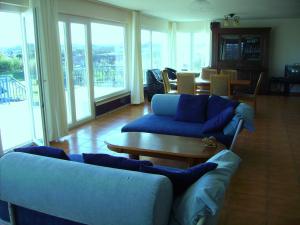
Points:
231	20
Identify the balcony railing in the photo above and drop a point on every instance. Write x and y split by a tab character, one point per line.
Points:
104	76
11	90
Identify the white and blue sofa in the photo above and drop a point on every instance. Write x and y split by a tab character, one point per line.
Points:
161	121
38	190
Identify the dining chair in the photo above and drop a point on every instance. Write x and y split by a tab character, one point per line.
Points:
205	75
167	85
251	97
233	74
186	83
207	72
220	85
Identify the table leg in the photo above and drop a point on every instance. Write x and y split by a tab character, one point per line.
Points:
134	156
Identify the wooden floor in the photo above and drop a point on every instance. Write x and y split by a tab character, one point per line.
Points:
266	188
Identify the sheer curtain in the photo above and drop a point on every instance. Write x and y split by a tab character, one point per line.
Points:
137	87
193	45
49	56
172	44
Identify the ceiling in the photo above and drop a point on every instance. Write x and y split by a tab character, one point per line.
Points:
194	10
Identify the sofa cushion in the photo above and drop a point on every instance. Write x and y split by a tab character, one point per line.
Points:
192	108
114	161
216	104
76	157
181	179
151	123
218	122
44	151
205	197
165	104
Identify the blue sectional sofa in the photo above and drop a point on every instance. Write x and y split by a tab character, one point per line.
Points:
46	191
161	121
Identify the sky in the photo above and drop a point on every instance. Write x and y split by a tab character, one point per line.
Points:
10	29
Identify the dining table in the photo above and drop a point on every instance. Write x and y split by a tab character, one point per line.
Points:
203	82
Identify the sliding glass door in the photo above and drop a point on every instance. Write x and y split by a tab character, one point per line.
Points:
21	106
74	58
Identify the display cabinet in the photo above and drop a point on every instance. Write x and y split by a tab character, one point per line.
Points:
243	49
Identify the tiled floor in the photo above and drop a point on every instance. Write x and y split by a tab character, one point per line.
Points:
266	188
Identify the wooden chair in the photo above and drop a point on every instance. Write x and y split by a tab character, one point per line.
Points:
166	81
220	85
205	75
186	83
233	74
251	97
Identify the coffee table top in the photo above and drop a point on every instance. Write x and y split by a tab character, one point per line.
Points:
160	145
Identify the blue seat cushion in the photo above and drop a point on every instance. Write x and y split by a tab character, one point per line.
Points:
217	104
44	151
152	123
192	108
76	157
181	179
218	122
114	161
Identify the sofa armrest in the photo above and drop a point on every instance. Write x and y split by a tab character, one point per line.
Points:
165	104
84	193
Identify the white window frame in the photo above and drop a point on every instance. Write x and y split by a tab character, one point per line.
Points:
151	48
73	19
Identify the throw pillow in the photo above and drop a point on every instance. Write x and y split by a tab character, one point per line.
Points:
44	151
218	122
216	104
114	161
191	108
181	179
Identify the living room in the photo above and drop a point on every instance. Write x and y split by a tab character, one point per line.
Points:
81	121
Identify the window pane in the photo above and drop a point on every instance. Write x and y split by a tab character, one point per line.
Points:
15	114
80	76
63	56
146	52
108	58
159	50
201	50
183	46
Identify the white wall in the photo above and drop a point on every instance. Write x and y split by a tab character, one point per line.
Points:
94	10
284	42
154	23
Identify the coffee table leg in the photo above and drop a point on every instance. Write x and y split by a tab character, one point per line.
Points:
133	156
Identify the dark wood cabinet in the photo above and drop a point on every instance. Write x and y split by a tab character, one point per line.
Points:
243	49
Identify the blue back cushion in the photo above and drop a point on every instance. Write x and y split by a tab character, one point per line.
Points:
218	122
44	151
192	108
216	104
181	179
114	162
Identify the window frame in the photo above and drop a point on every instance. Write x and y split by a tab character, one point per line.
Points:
151	48
88	21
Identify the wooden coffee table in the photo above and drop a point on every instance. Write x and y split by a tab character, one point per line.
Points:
191	150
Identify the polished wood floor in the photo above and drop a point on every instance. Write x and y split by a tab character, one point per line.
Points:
266	188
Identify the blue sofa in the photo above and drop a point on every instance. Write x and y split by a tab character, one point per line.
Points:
161	121
45	191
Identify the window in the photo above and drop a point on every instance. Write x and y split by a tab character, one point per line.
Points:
108	50
93	60
192	50
154	50
21	121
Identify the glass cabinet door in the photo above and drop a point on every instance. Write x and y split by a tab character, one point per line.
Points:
229	47
251	47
